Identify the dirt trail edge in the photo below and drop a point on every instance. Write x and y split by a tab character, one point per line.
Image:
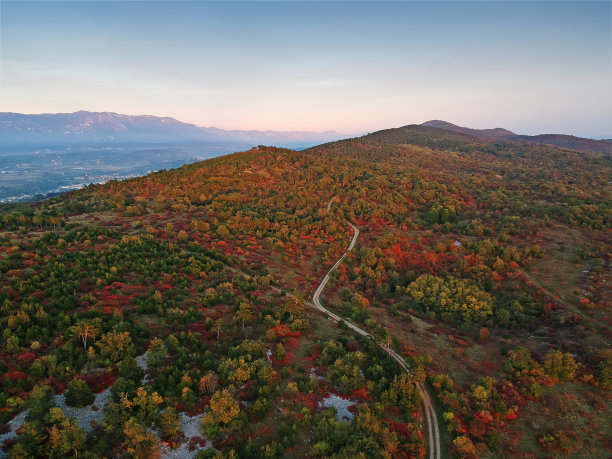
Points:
430	413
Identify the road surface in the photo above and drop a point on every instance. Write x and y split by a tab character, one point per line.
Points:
430	413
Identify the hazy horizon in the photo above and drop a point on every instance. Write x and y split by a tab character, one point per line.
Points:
595	137
532	68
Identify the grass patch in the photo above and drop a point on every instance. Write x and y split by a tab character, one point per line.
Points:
572	407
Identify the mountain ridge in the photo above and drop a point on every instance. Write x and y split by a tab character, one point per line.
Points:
87	127
603	146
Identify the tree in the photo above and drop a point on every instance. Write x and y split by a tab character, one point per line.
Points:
387	338
79	394
408	397
168	422
31	441
39	403
157	296
123	386
156	353
218	326
360	301
464	447
12	344
144	404
560	365
223	232
209	382
295	307
65	435
139	442
520	359
115	345
128	368
454	295
87	329
244	313
280	352
223	408
371	426
199	225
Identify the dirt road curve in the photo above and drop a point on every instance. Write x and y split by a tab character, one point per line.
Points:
430	413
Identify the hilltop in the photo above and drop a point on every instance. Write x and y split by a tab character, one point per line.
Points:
489	134
43	155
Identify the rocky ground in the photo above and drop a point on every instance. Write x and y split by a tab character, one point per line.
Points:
90	415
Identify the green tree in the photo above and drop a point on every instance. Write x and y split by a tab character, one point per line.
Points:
128	368
280	352
79	394
12	344
168	422
31	441
156	353
65	435
39	403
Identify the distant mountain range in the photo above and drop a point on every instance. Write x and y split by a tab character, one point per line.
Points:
79	128
500	134
96	129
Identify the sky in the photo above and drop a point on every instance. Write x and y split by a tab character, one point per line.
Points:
353	67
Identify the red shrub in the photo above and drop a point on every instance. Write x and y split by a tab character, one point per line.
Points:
283	330
100	381
360	394
196	443
15	376
26	358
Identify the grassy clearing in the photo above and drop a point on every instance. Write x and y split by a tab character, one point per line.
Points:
563	270
574	408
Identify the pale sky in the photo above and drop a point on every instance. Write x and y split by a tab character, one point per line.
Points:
531	67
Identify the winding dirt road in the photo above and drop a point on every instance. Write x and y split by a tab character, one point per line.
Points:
430	413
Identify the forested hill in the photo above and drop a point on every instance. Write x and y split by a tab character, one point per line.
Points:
499	134
415	134
179	298
471	140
